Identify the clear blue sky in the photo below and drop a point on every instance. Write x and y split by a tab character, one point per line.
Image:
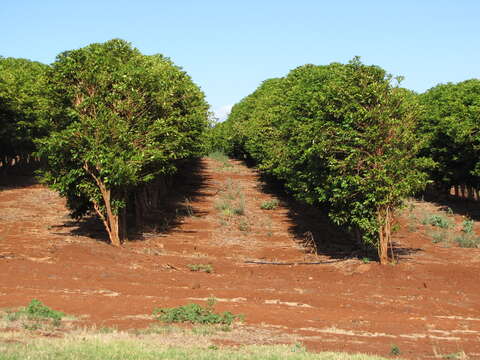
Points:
229	47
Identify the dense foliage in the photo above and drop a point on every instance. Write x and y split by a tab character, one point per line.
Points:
338	135
452	123
127	118
24	113
111	123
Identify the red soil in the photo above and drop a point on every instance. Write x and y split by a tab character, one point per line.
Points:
427	304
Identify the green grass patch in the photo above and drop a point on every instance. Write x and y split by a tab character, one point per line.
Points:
218	156
107	347
222	158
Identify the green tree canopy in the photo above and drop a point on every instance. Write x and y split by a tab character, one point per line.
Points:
338	135
126	119
452	124
24	113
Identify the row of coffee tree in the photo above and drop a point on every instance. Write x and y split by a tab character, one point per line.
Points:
348	138
23	108
106	121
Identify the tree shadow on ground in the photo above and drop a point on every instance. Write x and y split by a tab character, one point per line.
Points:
461	206
312	224
312	228
403	253
17	177
172	207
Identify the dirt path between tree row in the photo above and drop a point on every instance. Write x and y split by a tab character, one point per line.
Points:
427	304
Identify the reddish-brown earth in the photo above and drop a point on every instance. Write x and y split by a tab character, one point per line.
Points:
427	304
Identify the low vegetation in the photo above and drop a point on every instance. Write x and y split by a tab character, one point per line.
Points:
438	221
222	159
195	314
440	225
35	316
123	346
232	200
270	204
207	268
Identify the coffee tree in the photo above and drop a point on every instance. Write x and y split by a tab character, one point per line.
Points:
24	110
338	136
126	119
452	124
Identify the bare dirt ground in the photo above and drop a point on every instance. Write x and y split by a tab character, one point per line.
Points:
428	304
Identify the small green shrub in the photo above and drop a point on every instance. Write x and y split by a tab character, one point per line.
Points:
438	221
467	241
36	310
455	356
239	208
395	350
270	204
467	226
195	314
366	260
243	225
227	208
207	268
448	210
34	315
439	236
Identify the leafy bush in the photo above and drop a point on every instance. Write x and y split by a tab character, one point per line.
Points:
269	204
467	226
38	310
437	220
195	314
467	241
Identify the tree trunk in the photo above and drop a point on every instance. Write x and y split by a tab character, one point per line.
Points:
111	220
384	233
